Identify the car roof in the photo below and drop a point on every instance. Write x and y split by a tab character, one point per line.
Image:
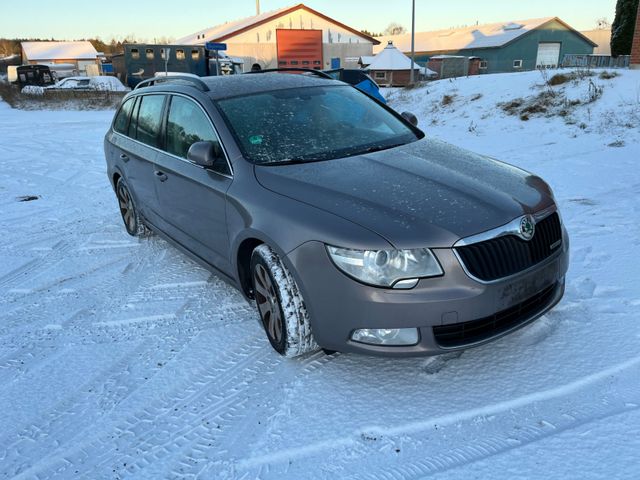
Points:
227	86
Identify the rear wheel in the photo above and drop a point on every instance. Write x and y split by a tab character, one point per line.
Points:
132	220
280	304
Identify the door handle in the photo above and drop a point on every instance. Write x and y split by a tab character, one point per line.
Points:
124	158
161	176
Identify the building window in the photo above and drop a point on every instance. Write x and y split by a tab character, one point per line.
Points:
380	75
517	64
149	53
484	65
179	54
135	53
195	55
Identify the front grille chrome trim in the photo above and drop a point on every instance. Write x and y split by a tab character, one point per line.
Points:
511	228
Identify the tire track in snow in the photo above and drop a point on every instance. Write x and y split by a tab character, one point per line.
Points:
238	424
485	448
216	387
284	456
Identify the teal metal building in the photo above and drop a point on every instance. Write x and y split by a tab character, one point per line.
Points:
501	47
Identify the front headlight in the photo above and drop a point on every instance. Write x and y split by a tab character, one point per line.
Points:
386	268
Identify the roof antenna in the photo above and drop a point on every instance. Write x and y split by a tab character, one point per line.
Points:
257	7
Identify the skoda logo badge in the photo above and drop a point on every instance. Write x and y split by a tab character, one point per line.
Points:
527	227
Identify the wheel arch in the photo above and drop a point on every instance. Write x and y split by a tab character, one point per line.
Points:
243	264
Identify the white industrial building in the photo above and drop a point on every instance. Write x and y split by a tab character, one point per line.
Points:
297	37
79	56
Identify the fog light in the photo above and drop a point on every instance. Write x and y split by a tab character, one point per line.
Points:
386	336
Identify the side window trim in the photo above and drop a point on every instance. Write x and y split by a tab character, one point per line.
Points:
134	113
162	141
213	127
163	127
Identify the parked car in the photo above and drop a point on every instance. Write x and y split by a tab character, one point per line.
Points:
359	79
347	226
103	83
34	75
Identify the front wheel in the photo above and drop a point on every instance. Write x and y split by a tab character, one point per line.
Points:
280	304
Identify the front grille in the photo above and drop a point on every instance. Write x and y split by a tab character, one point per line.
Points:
504	256
474	331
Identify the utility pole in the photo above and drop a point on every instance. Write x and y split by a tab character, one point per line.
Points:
257	7
413	41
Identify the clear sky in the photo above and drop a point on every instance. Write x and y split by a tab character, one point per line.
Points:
149	19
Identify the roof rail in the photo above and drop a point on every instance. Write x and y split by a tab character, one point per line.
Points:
319	73
181	79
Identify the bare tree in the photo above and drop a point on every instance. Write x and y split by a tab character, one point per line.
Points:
603	24
6	47
394	29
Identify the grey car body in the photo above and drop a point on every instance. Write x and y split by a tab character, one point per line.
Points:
465	208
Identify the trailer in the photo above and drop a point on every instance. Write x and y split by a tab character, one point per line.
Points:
144	61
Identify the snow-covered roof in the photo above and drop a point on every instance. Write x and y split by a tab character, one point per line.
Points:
427	72
223	31
476	36
366	59
390	58
82	50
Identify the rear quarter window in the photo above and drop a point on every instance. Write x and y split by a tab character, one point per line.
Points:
121	122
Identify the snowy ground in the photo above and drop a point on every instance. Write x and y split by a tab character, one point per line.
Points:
122	358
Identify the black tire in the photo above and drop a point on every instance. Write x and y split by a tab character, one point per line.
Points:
132	221
280	305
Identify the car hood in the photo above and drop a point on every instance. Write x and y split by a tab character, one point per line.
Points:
424	194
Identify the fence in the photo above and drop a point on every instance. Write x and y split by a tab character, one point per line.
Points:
596	61
39	97
88	96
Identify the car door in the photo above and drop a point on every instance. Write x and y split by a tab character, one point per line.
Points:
193	198
139	150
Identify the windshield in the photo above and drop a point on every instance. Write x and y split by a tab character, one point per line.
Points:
310	124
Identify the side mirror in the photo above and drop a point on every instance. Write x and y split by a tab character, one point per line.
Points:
204	154
411	118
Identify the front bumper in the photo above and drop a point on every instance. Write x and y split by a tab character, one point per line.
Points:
339	305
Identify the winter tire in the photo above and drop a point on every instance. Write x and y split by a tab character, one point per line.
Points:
280	305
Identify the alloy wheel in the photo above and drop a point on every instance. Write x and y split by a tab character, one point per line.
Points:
126	208
268	304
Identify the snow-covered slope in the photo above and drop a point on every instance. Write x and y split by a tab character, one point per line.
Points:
122	358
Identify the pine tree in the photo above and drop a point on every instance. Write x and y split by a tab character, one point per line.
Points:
623	27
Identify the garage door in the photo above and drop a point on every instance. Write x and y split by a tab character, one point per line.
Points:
548	55
299	48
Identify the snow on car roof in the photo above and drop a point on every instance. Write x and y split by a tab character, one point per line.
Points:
59	50
476	36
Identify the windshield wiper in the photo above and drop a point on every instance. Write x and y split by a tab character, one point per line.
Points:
377	148
286	161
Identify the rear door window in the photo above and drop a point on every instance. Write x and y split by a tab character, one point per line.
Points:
122	119
150	119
